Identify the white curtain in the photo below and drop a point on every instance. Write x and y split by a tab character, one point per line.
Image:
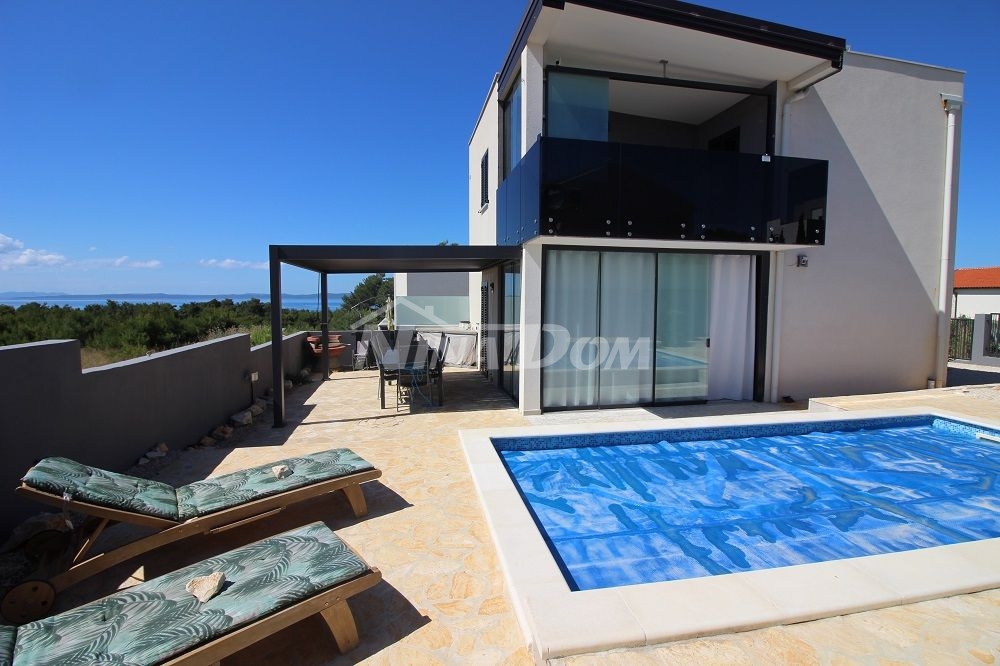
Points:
730	366
571	298
628	293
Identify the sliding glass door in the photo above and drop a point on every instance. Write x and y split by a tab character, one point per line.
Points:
634	328
598	313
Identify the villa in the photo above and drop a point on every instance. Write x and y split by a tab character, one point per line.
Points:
673	212
709	206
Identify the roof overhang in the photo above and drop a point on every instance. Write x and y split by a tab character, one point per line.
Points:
698	42
393	258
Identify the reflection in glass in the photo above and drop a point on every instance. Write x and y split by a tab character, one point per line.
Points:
512	129
577	107
683	307
511	327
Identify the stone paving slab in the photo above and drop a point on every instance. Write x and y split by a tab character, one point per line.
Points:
443	598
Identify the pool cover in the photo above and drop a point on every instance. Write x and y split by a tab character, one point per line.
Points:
641	513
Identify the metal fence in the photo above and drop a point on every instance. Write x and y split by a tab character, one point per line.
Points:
960	345
991	341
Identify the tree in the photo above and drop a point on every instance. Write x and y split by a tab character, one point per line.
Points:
370	294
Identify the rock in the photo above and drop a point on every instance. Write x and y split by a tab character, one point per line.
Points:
304	373
162	447
244	418
155	454
281	471
256	410
260	402
288	385
142	461
206	587
222	432
207	441
37	524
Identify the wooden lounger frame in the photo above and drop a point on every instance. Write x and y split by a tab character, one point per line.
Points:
81	567
330	604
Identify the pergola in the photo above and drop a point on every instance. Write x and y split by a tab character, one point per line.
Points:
333	259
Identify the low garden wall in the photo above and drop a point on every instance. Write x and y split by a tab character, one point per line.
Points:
110	415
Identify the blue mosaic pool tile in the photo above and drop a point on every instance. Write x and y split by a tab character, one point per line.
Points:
963	428
550	442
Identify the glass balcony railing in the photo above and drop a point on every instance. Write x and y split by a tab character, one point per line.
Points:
568	187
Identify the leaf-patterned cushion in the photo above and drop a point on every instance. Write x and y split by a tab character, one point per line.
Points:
159	619
98	486
228	490
7	634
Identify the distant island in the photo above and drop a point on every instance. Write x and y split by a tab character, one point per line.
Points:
60	299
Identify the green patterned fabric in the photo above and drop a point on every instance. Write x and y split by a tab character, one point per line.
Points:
228	490
159	619
153	498
7	634
97	486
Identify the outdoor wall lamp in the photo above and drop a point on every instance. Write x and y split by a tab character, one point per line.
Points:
251	376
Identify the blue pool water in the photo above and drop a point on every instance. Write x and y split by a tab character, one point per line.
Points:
668	360
644	507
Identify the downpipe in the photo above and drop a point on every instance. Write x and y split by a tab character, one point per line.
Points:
952	106
779	273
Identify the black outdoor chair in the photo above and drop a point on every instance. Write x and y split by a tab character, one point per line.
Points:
363	357
435	368
381	346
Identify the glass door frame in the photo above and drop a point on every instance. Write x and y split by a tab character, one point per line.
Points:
761	288
509	268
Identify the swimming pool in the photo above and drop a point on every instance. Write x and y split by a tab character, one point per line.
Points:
589	611
690	503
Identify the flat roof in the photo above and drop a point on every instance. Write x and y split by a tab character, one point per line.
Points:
394	258
690	16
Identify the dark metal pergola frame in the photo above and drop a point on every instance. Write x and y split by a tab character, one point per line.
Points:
339	259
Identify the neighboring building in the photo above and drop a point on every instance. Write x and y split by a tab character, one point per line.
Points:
709	206
431	299
977	291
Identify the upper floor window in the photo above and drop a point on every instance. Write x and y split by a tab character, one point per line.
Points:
484	180
512	128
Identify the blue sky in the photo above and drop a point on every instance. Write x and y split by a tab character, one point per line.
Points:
162	146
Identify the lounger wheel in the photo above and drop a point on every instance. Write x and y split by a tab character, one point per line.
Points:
29	601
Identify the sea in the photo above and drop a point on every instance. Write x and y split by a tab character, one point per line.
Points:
80	301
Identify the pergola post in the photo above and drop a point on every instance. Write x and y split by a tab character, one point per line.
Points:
277	363
324	327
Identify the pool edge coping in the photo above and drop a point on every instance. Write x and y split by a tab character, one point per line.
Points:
558	622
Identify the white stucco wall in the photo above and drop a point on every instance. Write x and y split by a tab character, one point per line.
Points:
483	220
970	302
863	316
532	95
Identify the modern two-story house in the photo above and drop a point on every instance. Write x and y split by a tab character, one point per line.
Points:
709	206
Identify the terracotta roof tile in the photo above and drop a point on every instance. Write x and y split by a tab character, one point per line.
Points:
977	278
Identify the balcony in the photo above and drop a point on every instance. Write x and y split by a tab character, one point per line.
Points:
570	187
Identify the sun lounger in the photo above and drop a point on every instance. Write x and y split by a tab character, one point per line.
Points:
203	507
270	585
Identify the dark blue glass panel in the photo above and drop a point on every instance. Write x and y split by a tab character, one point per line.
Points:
570	187
579	187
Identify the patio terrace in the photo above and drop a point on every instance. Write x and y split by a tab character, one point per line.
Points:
443	596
